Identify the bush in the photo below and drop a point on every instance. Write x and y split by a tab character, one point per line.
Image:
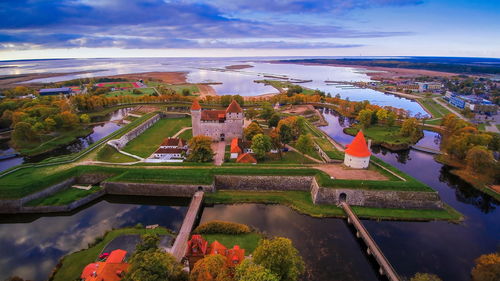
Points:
223	227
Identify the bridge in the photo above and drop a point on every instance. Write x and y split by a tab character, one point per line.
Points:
180	244
426	149
373	249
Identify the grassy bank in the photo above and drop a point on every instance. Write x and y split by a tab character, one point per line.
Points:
301	201
382	135
71	266
247	241
62	139
64	197
149	141
111	155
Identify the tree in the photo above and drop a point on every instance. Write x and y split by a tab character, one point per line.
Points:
226	100
409	128
250	271
274	120
200	149
212	267
251	130
487	268
85	118
251	113
280	257
267	111
425	277
186	92
239	99
261	144
50	123
154	265
23	132
391	118
382	116
148	242
275	141
305	145
285	134
365	118
69	120
137	92
479	158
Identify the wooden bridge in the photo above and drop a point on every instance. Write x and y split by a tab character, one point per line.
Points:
180	244
426	149
373	249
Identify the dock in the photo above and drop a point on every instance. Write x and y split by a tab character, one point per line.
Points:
373	249
426	149
180	244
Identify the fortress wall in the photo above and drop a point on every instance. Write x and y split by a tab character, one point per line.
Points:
132	134
154	189
280	183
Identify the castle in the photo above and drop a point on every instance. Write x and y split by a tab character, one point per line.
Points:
220	125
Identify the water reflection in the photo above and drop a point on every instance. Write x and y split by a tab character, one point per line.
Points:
32	244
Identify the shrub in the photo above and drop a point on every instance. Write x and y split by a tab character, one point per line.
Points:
223	227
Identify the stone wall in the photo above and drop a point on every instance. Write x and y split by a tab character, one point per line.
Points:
263	182
132	134
154	189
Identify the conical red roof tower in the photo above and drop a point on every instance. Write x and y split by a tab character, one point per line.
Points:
358	147
195	105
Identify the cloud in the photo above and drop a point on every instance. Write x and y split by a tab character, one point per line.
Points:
172	24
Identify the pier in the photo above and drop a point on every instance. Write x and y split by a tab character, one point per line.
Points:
180	244
426	149
373	249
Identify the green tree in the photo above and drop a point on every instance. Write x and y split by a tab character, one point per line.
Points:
285	134
148	242
154	265
85	118
409	128
274	120
23	132
211	267
267	111
251	130
186	92
487	268
280	257
261	144
249	271
69	120
425	277
200	149
239	99
137	92
479	158
50	123
226	100
365	118
38	127
251	113
305	145
382	116
391	118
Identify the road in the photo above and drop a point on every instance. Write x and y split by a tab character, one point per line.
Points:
219	149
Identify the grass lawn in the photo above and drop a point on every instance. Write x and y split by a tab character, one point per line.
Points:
301	201
73	264
247	241
109	154
329	149
63	138
434	122
145	91
290	157
63	197
435	108
481	127
382	134
186	135
149	141
117	85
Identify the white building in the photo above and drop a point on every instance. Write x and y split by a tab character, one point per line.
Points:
357	154
171	149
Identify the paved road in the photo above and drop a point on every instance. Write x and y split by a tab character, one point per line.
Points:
219	149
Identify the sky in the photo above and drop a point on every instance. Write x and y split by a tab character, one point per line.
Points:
37	29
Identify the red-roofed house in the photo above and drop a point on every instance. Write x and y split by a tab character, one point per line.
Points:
357	154
113	269
197	248
235	256
239	147
218	124
171	149
246	158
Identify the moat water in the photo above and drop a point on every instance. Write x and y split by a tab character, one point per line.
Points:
31	245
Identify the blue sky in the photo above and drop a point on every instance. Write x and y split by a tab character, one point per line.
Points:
115	28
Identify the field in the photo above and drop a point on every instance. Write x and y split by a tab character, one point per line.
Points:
50	143
109	154
63	197
118	85
290	157
382	134
247	241
186	135
144	91
149	141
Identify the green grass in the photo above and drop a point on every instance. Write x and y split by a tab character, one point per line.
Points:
434	122
149	141
186	135
117	85
62	139
301	201
109	154
145	92
329	149
63	197
382	134
290	157
247	241
433	107
481	127
73	264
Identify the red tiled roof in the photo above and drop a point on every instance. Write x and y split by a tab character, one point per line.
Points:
358	147
234	107
216	248
235	256
246	158
168	150
235	148
110	270
173	142
212	115
197	246
195	105
117	256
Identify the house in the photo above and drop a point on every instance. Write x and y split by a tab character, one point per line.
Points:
220	125
239	147
198	248
246	158
171	149
357	154
112	269
55	91
429	86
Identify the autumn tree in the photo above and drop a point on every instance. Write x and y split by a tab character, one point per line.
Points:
365	118
250	271
280	257
226	100
267	111
261	144
251	130
275	141
69	120
479	158
410	128
305	145
251	113
23	132
148	242
295	123
200	149
425	277
382	116
210	268
154	265
274	120
285	133
85	118
391	118
487	268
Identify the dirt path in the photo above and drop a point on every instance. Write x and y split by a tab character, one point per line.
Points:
206	90
339	172
219	149
181	131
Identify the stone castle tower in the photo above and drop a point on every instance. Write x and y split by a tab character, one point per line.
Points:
220	125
